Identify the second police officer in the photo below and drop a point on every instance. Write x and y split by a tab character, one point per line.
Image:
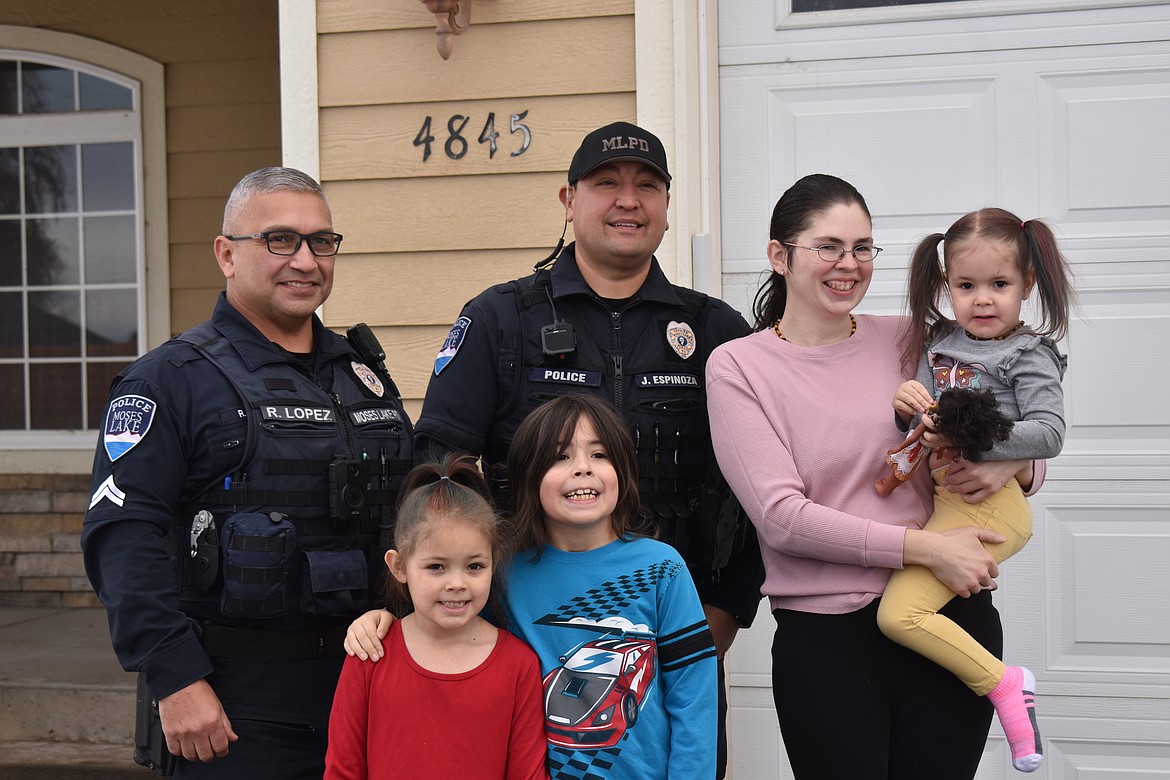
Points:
605	320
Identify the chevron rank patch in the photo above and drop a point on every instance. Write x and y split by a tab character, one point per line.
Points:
108	490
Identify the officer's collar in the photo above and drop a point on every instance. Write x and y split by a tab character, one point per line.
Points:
254	347
567	280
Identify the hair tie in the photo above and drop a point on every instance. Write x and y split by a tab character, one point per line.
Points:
1022	225
444	476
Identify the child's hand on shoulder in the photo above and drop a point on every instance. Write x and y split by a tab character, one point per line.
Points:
365	634
911	399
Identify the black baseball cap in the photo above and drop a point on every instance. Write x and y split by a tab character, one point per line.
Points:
618	141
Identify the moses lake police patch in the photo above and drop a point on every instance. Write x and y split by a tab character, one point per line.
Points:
681	338
127	422
368	377
451	345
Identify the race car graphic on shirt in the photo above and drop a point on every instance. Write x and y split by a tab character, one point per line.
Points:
612	649
594	696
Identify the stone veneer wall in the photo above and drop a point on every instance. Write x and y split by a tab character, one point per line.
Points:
40	533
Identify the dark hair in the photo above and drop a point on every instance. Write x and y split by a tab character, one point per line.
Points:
1036	255
804	200
543	436
449	490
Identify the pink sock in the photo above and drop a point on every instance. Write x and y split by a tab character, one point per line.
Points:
1014	699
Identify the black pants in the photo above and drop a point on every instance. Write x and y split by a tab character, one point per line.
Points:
855	706
280	711
292	751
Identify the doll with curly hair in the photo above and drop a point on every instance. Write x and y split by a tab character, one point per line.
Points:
969	418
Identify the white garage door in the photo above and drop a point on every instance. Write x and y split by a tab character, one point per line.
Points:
1051	109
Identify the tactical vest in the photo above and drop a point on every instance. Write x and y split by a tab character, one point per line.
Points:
659	392
300	523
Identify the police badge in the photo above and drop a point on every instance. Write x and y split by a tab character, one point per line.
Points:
368	377
681	338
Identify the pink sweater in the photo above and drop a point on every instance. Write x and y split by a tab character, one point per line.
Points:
801	434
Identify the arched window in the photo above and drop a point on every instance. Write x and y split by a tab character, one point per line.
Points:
70	223
73	240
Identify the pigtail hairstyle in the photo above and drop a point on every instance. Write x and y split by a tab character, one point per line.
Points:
796	208
1053	278
926	284
540	440
448	490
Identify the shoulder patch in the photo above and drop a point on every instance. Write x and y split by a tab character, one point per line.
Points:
452	344
127	423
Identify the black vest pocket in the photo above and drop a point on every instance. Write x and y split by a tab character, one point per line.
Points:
257	550
334	582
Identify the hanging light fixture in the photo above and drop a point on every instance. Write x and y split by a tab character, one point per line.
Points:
453	17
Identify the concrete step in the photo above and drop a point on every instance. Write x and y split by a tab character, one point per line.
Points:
68	761
66	706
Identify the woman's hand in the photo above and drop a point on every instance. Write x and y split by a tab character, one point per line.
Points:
975	482
957	558
365	635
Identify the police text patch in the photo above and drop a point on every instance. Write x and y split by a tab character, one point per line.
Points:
565	376
127	422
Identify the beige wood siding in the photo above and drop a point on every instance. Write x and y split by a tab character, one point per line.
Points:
421	238
223	110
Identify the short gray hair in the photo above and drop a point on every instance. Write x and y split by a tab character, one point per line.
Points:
264	181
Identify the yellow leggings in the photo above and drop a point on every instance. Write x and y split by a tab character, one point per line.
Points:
908	613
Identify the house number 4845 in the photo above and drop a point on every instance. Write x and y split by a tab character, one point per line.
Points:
456	145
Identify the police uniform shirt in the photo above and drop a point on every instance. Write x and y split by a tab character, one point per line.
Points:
174	427
490	373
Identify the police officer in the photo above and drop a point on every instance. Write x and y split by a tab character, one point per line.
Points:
605	320
245	471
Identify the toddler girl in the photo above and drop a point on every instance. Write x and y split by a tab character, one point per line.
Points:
993	263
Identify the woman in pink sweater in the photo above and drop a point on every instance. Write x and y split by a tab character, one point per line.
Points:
801	421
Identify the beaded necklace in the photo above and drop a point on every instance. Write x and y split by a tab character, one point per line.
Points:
852	327
1019	325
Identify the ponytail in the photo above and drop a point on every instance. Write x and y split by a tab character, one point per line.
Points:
1052	275
926	285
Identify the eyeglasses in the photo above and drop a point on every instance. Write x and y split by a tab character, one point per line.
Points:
831	253
288	242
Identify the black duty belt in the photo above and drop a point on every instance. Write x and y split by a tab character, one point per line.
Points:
257	644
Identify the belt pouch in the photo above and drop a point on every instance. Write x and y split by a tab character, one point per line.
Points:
334	582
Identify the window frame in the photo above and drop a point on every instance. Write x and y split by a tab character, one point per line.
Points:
786	18
68	451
